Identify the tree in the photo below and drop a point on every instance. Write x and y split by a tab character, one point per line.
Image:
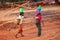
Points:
35	0
56	1
2	2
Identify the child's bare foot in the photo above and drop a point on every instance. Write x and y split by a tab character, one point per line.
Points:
39	35
22	35
16	35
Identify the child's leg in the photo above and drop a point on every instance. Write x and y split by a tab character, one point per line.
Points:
19	28
39	28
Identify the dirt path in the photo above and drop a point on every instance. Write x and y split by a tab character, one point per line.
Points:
50	29
30	33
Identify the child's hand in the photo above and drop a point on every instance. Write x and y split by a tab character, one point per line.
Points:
18	21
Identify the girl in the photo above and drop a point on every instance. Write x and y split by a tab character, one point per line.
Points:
38	19
20	21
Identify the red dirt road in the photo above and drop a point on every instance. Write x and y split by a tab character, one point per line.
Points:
50	30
